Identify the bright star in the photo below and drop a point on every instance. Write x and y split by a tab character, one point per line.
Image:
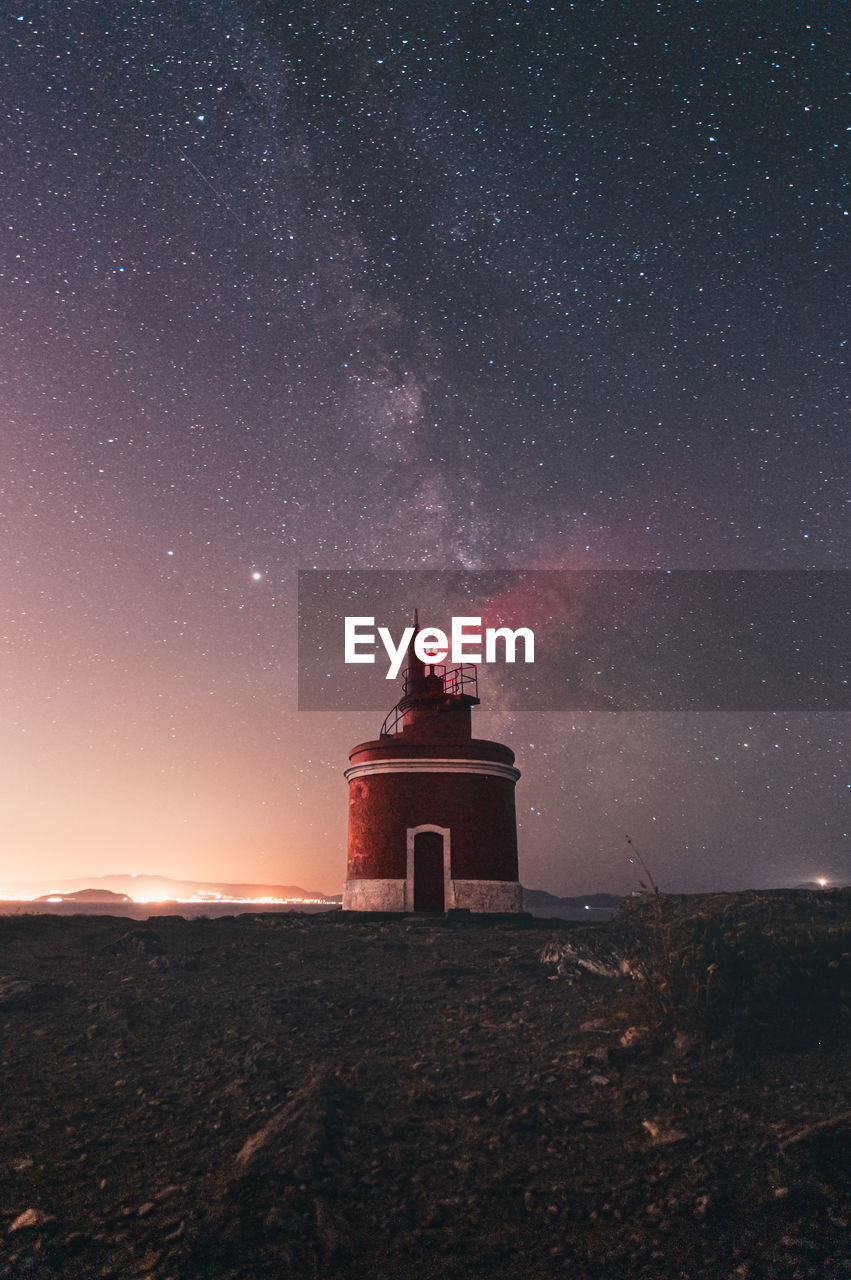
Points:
257	575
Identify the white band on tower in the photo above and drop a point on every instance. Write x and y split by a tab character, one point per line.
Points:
413	764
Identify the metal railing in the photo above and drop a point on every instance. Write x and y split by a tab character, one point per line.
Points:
391	722
460	680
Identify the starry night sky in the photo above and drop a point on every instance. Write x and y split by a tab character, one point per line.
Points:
483	286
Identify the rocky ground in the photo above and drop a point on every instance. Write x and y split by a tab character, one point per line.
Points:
322	1096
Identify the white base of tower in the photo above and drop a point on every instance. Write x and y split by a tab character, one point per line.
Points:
487	895
375	895
398	895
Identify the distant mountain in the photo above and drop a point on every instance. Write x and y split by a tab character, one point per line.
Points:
594	906
152	888
144	888
86	895
821	885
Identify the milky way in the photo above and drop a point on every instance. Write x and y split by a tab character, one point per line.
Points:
498	285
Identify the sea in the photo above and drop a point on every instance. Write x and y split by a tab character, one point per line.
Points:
149	910
216	910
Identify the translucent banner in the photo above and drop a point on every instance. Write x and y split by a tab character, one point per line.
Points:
601	640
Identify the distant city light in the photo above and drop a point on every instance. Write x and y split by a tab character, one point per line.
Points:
200	898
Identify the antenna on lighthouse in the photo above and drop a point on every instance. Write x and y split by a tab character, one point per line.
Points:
414	677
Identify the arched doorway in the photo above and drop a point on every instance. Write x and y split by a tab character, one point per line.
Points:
428	872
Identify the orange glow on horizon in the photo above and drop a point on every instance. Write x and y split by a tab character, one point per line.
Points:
195	899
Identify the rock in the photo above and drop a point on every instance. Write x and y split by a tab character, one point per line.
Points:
663	1136
30	1218
281	1185
571	958
296	1134
631	1037
817	1156
14	990
139	942
683	1044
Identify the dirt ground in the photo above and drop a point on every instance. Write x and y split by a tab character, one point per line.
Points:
382	1099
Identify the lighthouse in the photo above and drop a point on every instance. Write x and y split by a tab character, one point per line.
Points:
432	824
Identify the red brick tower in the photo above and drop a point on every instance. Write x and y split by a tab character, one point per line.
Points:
431	808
